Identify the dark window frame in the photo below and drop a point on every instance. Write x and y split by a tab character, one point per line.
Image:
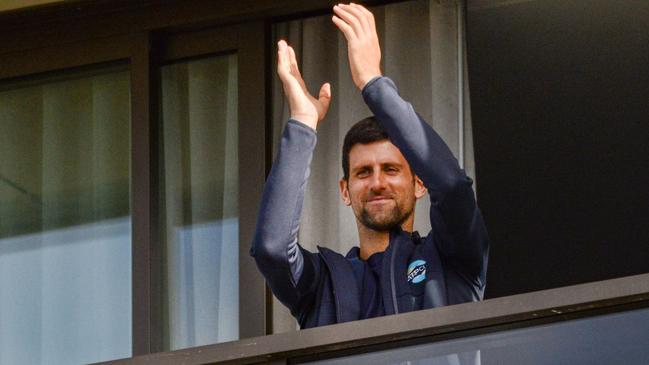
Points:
247	41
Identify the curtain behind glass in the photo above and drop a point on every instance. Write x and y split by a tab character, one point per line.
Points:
200	202
65	228
419	52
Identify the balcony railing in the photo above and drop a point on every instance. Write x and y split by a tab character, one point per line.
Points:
545	327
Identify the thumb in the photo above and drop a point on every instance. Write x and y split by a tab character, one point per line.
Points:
325	94
324	97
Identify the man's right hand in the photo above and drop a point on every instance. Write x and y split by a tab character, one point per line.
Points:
302	105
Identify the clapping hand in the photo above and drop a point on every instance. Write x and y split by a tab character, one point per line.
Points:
302	105
363	50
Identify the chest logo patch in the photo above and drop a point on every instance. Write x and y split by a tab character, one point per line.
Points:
417	271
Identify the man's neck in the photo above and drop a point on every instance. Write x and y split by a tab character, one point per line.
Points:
372	241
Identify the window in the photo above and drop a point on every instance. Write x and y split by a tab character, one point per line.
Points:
212	168
121	213
199	187
65	218
420	52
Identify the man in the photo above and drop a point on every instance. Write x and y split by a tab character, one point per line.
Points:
389	161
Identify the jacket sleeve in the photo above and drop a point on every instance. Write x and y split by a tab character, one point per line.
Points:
288	269
454	215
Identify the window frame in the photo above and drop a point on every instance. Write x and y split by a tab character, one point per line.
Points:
247	41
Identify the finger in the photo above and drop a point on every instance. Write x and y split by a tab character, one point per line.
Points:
282	58
293	61
343	13
368	15
295	69
290	83
360	16
345	28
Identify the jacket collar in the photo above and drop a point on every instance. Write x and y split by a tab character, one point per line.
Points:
345	287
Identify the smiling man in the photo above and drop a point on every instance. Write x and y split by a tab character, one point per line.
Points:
389	161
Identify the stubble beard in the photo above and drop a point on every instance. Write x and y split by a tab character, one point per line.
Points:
384	221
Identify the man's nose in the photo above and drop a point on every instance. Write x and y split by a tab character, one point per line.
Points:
379	182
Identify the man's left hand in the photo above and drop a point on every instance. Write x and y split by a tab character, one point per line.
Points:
357	24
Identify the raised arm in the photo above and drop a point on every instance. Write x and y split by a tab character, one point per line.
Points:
454	214
288	271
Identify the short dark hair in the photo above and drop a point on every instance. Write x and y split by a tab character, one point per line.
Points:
365	131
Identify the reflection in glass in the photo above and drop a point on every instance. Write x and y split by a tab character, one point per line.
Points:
199	187
619	338
65	227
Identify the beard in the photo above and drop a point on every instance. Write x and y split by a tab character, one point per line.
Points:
384	220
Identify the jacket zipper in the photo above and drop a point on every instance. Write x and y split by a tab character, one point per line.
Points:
392	281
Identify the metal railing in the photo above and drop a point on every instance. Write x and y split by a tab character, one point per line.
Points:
426	326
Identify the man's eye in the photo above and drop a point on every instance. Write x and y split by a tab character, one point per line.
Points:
363	173
391	169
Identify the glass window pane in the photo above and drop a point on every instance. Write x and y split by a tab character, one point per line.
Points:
619	338
65	227
200	202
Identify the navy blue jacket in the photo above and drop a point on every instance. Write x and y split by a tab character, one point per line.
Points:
448	266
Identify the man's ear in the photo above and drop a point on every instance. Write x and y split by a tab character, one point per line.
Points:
420	189
344	192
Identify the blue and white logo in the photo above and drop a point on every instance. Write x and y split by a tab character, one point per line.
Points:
417	271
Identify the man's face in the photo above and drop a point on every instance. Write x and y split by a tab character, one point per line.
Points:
381	189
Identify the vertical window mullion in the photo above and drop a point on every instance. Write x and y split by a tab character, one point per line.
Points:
253	92
145	206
